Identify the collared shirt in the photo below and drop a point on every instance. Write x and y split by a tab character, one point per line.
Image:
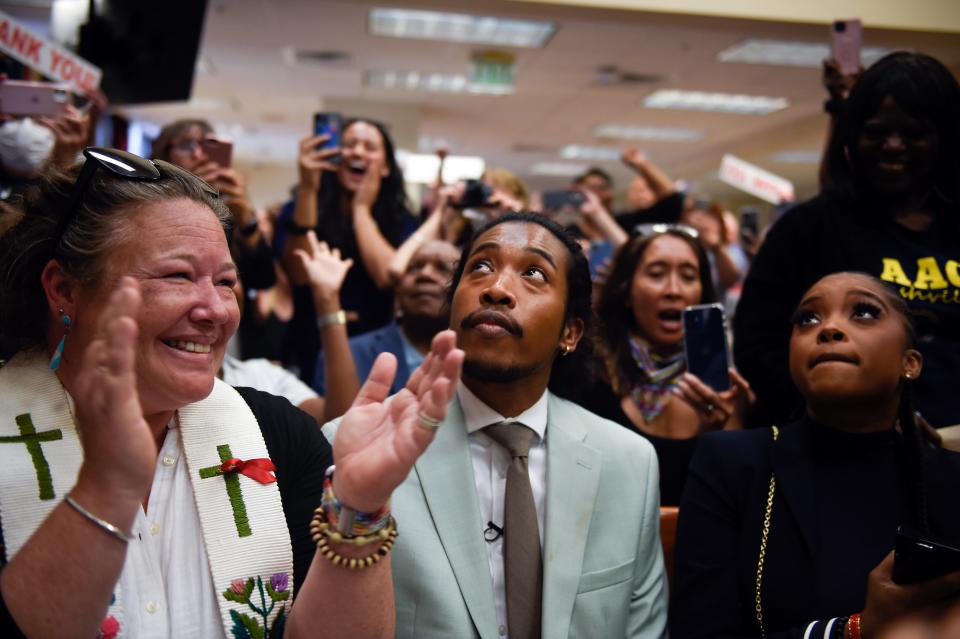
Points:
412	356
490	463
266	376
166	587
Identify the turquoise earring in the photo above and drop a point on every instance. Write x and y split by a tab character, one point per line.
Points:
58	354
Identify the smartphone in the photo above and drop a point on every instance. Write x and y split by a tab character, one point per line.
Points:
26	98
218	150
749	223
331	124
559	200
563	207
847	38
705	345
601	252
917	558
475	194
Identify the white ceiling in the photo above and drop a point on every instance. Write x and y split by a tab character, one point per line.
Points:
248	89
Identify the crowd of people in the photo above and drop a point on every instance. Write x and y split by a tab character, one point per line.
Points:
463	421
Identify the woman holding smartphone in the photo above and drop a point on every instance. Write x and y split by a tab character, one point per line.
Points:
789	531
644	383
357	205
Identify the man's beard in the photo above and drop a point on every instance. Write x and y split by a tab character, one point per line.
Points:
496	373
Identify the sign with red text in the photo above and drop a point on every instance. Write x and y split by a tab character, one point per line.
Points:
755	181
50	59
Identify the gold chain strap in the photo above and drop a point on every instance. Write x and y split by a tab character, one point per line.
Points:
763	542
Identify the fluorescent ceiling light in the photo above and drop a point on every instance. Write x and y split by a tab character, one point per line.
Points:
558	169
787	53
460	27
797	157
211	104
662	133
592	153
435	82
421	168
720	102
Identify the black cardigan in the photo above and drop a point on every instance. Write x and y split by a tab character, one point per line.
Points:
812	557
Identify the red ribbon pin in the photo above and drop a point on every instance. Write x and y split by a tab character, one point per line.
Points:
260	469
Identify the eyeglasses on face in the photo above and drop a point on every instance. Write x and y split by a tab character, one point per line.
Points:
123	165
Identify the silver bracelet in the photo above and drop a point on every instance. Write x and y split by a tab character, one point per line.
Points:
103	523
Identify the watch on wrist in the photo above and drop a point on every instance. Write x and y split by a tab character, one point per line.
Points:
332	319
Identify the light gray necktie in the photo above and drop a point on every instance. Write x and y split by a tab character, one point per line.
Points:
522	561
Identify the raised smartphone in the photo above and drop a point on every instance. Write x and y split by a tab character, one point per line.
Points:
27	98
563	206
219	150
749	223
917	558
329	123
705	345
846	40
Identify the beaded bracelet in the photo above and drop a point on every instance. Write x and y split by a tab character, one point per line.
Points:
322	535
853	626
362	524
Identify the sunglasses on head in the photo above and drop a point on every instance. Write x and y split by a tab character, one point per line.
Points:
121	164
646	230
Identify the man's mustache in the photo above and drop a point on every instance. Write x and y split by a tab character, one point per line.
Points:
486	316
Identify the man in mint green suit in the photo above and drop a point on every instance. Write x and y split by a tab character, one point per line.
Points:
520	305
603	567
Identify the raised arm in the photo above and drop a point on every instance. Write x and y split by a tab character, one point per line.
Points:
375	448
375	251
660	182
326	271
311	163
429	230
70	559
595	214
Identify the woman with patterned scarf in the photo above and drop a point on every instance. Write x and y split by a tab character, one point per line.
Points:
643	380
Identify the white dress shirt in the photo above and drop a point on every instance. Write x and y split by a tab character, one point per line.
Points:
266	376
490	463
166	587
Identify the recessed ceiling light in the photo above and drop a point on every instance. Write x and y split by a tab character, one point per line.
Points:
460	27
592	153
558	169
797	157
434	82
788	53
719	102
663	133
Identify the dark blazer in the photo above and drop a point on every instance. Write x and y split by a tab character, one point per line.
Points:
719	533
365	349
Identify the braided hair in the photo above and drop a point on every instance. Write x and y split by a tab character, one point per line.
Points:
913	441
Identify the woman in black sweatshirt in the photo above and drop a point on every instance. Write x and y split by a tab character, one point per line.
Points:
890	207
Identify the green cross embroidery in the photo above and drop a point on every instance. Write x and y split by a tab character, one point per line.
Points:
30	437
232	480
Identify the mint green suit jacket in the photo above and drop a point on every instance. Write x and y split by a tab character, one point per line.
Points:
603	564
603	573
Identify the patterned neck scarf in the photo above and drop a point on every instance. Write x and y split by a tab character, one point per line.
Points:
660	375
